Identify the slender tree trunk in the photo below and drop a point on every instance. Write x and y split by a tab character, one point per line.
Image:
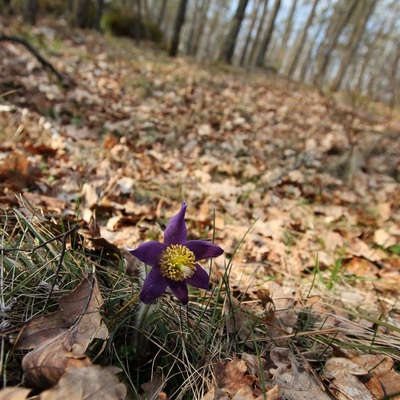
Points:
161	15
80	18
286	35
212	34
228	47
99	14
146	10
353	43
30	11
372	45
305	66
257	38
138	22
179	21
339	20
303	37
196	13
200	28
394	82
256	8
268	35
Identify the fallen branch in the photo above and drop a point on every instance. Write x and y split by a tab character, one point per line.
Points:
43	61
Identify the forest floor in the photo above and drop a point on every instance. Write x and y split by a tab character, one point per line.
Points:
300	190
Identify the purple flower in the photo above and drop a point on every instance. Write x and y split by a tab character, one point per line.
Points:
174	262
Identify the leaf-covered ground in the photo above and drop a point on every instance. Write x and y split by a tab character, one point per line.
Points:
136	133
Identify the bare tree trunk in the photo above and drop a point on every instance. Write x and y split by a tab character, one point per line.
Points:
80	18
354	42
99	14
303	37
372	45
257	39
138	22
161	14
30	11
179	21
193	26
200	28
146	10
394	84
212	34
305	66
228	47
339	20
268	35
256	8
286	35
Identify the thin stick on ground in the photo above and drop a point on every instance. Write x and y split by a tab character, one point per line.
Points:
41	59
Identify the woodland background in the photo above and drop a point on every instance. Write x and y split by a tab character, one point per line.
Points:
341	45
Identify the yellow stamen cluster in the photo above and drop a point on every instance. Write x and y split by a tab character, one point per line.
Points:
177	262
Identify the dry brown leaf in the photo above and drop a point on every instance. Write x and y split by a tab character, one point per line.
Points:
384	380
14	393
91	382
361	267
232	377
293	384
342	374
153	388
59	340
384	239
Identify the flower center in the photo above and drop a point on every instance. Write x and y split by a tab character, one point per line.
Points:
177	262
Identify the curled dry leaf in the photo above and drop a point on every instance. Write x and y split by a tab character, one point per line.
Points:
153	388
342	374
92	382
293	384
59	340
382	380
232	376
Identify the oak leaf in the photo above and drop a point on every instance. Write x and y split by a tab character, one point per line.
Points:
60	339
91	382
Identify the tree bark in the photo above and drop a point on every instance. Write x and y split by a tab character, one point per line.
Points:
353	42
179	21
213	36
81	13
196	13
256	8
200	28
257	38
303	37
373	47
339	20
268	35
99	14
30	11
394	83
161	14
286	35
228	47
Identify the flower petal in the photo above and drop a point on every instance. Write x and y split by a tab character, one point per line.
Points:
176	232
203	249
180	290
149	253
199	279
154	286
